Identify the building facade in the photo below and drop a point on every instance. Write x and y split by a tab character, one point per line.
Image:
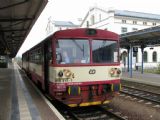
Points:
54	26
122	21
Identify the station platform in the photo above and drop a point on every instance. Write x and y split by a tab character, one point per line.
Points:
147	78
20	99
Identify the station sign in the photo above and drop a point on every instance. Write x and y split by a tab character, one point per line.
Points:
135	49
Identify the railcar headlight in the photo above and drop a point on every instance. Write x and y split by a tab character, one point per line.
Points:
115	72
112	72
118	71
68	73
60	74
65	73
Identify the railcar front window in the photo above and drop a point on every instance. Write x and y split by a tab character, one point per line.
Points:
104	51
72	51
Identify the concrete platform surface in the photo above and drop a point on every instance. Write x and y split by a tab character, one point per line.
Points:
147	78
19	99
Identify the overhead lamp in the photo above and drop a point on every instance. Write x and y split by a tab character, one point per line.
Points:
13	34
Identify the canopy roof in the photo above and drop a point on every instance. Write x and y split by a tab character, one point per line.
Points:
17	17
146	37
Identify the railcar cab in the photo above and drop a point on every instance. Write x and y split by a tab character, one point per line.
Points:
86	66
89	48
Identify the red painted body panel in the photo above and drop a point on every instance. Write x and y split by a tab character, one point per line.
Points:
86	88
81	33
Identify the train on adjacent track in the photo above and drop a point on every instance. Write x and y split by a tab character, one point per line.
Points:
79	67
3	61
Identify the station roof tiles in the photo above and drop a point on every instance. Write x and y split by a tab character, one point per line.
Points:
137	14
64	23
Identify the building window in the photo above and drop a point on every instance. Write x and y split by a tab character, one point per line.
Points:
145	56
123	30
144	23
154	24
87	25
134	29
92	19
134	22
123	21
154	56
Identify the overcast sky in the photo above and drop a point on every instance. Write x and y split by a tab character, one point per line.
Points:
71	10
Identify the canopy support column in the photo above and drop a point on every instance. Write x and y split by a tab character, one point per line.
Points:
142	50
128	48
130	70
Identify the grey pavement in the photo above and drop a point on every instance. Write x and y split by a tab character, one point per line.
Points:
147	78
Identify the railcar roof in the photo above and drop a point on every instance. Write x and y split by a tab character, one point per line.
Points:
81	33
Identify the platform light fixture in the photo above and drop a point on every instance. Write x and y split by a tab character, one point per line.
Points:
13	34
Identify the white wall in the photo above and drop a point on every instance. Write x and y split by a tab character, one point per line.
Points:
114	24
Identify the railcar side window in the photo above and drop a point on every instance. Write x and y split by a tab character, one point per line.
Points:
50	52
72	51
36	56
104	51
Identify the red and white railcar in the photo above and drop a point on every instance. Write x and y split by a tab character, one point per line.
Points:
79	67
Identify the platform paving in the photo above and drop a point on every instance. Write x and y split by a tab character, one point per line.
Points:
147	78
5	93
19	99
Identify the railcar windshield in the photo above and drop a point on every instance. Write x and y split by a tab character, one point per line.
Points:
71	51
104	51
77	51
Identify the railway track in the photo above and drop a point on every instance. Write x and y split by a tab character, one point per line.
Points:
86	113
142	86
142	94
89	113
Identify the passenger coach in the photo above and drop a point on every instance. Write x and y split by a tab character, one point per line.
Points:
79	67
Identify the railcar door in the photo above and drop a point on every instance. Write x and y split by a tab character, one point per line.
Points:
47	57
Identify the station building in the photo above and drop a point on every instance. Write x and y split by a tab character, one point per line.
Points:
53	26
123	21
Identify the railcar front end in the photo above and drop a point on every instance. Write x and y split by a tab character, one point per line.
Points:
87	70
79	67
84	86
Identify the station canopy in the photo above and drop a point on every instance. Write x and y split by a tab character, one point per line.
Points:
17	17
145	37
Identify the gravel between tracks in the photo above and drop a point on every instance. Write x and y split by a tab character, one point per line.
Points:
134	109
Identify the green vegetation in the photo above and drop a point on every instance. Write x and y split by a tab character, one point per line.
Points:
153	70
158	69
